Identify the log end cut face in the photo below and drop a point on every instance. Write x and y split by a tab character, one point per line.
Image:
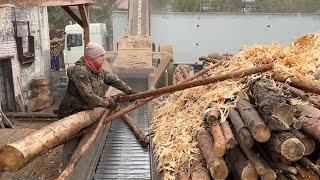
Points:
292	149
11	158
261	133
284	114
219	170
249	173
269	175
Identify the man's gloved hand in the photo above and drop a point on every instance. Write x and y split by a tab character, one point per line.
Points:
130	92
111	105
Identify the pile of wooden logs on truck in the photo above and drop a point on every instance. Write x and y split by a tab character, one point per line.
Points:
264	126
16	155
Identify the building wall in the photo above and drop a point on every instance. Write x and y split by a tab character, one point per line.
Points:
38	19
197	34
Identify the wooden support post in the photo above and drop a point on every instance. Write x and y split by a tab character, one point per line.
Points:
73	15
83	9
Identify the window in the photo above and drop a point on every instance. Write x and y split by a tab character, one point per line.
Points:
74	40
24	41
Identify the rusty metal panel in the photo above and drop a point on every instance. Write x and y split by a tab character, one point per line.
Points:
32	3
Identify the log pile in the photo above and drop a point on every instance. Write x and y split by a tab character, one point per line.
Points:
182	72
264	126
213	58
42	96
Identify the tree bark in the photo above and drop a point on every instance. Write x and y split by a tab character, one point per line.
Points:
227	132
198	172
275	165
143	139
212	116
184	71
219	141
196	83
216	165
305	173
15	155
298	93
241	167
259	164
203	71
309	165
259	130
242	132
30	115
308	143
273	105
211	60
309	86
307	110
82	147
286	144
311	127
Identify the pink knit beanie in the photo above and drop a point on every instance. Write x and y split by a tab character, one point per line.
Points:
94	50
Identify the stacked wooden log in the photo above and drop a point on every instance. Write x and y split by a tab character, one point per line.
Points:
214	58
274	117
182	72
42	96
269	145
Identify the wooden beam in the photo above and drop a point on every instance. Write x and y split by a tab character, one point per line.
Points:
73	15
167	51
83	9
28	3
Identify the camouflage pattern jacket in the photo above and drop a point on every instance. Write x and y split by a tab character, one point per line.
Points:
86	89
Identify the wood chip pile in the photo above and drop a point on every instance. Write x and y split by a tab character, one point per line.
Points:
264	126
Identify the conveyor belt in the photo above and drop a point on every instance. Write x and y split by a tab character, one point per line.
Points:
122	156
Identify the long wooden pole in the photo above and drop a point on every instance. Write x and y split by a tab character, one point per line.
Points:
202	82
83	146
17	154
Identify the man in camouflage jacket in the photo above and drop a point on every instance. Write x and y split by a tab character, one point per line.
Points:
85	89
87	80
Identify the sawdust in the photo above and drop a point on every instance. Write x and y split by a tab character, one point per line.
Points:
178	117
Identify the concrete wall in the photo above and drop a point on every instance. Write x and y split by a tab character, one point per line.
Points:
193	34
38	19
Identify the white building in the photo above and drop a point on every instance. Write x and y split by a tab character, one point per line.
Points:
24	51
